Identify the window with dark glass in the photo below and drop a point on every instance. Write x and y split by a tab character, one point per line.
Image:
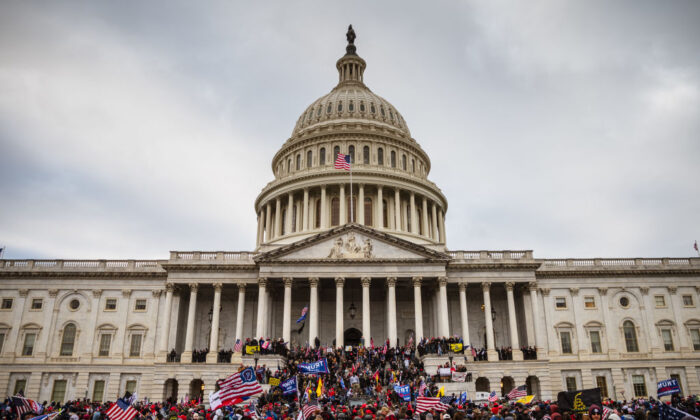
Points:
105	344
695	336
393	159
571	384
294	218
365	155
602	383
37	304
322	156
368	211
668	339
59	390
298	161
362	107
630	332
330	107
565	337
98	391
385	215
380	156
560	302
20	386
351	152
351	106
289	165
284	217
318	214
68	340
6	304
336	151
140	305
340	106
110	304
309	158
28	347
640	387
335	211
135	346
371	108
595	342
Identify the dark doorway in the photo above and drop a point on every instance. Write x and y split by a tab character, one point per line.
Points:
352	337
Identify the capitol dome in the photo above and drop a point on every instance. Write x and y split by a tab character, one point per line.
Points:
389	190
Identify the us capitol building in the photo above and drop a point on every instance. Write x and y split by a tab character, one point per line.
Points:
381	269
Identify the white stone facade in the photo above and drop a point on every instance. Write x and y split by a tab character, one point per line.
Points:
95	328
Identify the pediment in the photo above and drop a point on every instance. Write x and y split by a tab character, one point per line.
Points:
350	243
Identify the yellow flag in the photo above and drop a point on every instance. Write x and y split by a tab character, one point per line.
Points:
319	389
274	381
525	400
456	347
441	391
252	349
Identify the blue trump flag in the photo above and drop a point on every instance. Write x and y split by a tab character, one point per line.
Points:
667	387
289	386
404	392
314	368
667	412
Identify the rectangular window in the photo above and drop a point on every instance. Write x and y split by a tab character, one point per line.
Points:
135	347
677	377
694	334
640	387
130	387
110	304
602	383
571	384
2	341
595	342
98	391
560	303
105	344
660	301
140	305
565	342
688	300
668	340
20	386
28	348
59	390
6	304
589	302
37	304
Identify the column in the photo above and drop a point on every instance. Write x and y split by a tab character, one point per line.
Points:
514	339
259	232
287	314
380	209
441	227
463	312
361	204
436	235
268	222
240	311
391	284
366	332
490	346
577	309
262	296
167	312
405	216
397	210
278	217
655	346
537	320
305	219
444	326
189	336
426	230
339	329
324	209
414	215
418	307
213	354
611	332
682	331
290	211
343	206
313	310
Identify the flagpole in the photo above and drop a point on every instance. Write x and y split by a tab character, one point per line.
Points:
352	218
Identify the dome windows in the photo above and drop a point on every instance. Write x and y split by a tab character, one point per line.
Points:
309	158
393	159
391	114
381	111
340	106
351	152
351	107
298	165
318	111
365	155
380	156
372	109
329	109
403	162
336	151
362	107
322	156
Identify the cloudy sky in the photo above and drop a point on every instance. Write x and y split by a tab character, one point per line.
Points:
130	128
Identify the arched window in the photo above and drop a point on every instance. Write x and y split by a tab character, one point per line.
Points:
351	106
68	340
336	151
294	219
318	111
413	166
322	156
365	155
318	214
393	159
403	162
351	152
380	156
289	165
630	332
309	158
385	213
419	217
362	107
335	211
284	217
368	211
340	106
330	107
298	161
371	108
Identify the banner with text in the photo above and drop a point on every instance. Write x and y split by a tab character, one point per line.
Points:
667	387
274	381
289	386
404	392
459	376
314	368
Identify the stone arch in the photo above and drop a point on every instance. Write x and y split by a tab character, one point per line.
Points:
196	389
170	390
482	384
352	337
507	384
75	293
533	386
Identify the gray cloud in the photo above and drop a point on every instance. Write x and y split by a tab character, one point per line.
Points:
128	129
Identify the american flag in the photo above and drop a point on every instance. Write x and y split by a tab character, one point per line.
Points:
518	392
266	344
238	347
25	405
493	397
121	410
342	162
240	384
606	412
49	416
421	390
424	404
308	410
666	412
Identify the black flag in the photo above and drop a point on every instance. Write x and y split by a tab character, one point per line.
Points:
301	328
579	401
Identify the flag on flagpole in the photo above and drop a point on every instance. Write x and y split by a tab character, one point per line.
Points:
424	404
342	162
319	389
441	392
493	397
303	314
308	410
25	405
518	392
238	347
240	384
121	410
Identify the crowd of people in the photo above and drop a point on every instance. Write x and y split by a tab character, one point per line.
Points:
264	408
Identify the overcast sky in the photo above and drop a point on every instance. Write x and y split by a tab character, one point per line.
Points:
130	128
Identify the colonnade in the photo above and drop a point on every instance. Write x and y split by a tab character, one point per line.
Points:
313	317
402	212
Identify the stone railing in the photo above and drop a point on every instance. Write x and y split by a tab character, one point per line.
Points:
495	256
617	262
243	257
109	265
